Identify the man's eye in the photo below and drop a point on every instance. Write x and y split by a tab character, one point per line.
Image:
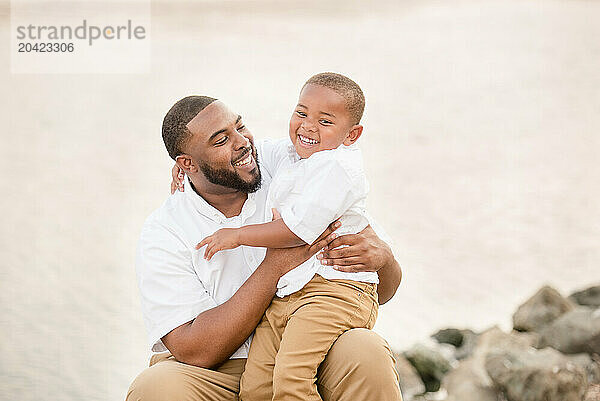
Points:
301	113
243	127
221	141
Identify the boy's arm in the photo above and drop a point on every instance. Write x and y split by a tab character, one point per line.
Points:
274	234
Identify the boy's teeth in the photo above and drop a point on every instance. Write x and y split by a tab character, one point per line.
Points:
308	141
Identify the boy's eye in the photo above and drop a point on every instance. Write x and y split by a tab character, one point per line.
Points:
325	122
241	128
221	141
301	113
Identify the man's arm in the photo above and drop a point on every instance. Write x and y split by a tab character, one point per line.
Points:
365	251
214	335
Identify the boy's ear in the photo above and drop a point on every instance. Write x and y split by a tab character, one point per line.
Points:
186	163
353	135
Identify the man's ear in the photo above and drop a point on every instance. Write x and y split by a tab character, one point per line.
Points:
186	163
353	135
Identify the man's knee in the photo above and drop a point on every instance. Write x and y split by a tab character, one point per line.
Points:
359	363
160	382
369	351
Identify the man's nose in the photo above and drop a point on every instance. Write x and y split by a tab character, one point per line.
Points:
241	141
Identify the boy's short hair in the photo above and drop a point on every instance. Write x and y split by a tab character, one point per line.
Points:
174	128
346	88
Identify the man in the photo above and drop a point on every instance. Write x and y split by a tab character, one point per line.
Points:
204	312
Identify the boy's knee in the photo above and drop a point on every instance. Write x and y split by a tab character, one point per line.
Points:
256	384
159	382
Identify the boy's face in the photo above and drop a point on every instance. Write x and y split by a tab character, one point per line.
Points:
320	121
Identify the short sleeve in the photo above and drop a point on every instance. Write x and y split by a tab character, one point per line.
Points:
325	192
171	292
271	153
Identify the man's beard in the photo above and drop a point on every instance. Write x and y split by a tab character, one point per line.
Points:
231	179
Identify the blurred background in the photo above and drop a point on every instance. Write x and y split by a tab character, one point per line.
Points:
482	140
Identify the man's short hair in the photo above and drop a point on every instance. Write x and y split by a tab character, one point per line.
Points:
346	88
174	130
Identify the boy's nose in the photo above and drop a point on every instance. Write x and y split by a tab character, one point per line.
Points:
307	126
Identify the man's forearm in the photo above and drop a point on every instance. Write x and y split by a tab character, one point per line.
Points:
214	335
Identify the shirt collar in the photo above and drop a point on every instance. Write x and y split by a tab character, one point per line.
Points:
292	154
209	211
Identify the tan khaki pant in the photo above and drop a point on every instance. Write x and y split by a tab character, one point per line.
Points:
358	367
296	333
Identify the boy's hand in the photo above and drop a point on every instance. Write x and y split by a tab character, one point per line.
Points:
177	179
362	252
225	238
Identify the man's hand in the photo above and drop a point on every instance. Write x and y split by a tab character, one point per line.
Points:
362	252
225	238
177	176
365	252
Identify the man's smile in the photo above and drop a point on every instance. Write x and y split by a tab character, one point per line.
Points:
246	161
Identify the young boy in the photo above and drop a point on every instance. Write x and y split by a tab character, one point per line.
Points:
322	180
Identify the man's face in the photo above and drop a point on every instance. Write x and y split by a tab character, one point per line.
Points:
320	121
223	148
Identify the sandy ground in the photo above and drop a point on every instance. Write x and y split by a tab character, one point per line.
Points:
482	143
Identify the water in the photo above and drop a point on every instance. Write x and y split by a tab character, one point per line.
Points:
481	143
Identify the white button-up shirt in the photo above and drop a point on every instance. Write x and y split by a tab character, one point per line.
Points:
176	283
310	194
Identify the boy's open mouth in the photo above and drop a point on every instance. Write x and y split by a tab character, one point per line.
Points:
307	141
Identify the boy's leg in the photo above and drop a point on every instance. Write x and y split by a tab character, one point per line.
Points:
257	380
167	379
323	311
359	366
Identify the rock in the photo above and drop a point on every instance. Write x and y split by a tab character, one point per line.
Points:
590	365
592	393
541	309
522	372
431	365
469	382
574	332
588	297
495	340
468	345
410	381
536	375
449	336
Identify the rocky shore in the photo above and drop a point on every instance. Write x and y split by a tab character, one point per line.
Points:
552	354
